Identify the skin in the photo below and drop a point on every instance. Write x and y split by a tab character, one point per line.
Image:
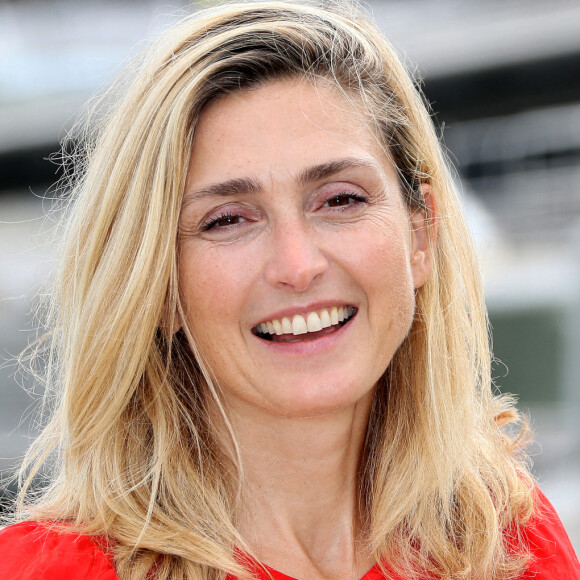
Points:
280	240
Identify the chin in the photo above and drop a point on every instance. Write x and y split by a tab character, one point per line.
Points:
304	402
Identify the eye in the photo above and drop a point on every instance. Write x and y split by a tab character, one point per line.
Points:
344	199
223	221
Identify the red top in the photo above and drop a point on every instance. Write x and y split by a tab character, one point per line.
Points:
32	551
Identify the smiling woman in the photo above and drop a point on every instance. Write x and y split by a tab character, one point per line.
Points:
323	233
269	353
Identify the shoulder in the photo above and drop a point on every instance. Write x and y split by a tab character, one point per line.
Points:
552	553
39	551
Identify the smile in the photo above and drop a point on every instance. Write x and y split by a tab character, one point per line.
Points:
313	324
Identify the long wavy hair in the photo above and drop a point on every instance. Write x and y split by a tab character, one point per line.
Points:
130	451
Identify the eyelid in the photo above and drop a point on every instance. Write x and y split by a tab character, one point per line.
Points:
224	211
342	189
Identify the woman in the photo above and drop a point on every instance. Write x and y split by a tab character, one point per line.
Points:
269	351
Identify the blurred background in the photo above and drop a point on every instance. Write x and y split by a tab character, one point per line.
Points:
503	79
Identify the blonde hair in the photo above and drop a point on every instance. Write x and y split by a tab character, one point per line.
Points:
133	454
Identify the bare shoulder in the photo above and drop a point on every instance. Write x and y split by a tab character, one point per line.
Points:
41	551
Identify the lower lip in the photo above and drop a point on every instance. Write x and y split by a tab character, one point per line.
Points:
309	347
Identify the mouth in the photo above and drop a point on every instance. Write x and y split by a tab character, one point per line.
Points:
308	326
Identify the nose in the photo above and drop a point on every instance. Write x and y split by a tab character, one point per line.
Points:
296	259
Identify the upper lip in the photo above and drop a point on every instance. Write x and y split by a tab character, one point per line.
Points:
303	310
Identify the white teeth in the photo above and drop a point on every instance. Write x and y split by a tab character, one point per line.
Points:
313	322
325	319
286	326
334	315
277	327
299	325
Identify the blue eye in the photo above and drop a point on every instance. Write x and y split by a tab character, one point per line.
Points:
223	221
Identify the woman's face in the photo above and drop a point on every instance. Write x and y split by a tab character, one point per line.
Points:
293	219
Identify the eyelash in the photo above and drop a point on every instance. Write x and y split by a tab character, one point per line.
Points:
213	222
347	195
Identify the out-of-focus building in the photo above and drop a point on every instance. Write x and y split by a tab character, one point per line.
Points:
504	82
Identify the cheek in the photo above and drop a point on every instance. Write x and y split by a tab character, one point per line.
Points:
394	285
381	253
386	275
206	288
215	286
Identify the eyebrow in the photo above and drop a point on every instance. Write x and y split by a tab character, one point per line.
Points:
229	188
330	168
249	186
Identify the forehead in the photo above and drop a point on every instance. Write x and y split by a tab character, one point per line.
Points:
282	126
320	97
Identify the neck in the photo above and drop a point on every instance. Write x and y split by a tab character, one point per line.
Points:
300	509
